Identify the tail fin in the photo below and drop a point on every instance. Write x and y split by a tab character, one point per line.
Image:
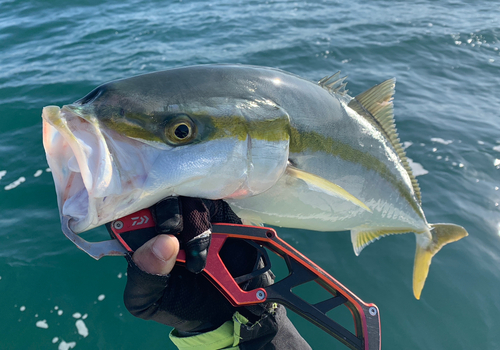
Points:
442	234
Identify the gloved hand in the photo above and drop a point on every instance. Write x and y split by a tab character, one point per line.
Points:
159	290
188	219
178	297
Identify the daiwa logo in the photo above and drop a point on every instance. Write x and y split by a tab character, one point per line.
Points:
140	220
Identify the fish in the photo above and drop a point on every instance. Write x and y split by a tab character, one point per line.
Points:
280	149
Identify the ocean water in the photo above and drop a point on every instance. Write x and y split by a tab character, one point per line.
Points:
446	59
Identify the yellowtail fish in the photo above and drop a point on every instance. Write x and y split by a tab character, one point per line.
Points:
280	149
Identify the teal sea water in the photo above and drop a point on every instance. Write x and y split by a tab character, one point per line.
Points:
446	59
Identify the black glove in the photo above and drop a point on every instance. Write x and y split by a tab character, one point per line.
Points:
188	301
183	299
188	219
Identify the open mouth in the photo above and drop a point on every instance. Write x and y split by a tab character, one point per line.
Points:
80	162
99	174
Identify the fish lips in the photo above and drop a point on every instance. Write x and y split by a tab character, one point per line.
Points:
82	166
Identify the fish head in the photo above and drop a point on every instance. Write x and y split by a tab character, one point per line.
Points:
130	143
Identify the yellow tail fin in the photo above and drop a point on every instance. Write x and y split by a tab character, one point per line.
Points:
442	234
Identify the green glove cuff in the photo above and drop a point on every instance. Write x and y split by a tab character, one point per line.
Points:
225	337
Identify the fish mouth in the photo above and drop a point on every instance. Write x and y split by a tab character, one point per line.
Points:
81	164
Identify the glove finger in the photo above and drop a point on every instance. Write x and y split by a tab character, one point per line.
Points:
196	252
196	218
167	215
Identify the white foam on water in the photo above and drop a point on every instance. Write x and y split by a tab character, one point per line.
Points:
440	140
82	328
56	307
85	316
55	340
59	312
48	170
22	308
497	148
101	297
496	162
407	144
2	173
38	173
120	275
42	324
77	315
480	142
66	346
417	168
15	183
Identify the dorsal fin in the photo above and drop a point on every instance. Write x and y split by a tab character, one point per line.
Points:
376	106
334	83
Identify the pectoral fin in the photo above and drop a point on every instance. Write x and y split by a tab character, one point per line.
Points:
442	234
319	184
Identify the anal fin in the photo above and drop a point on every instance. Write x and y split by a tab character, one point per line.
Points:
360	238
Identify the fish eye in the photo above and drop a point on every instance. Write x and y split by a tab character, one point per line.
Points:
180	130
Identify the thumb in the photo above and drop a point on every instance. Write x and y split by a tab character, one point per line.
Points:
157	256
